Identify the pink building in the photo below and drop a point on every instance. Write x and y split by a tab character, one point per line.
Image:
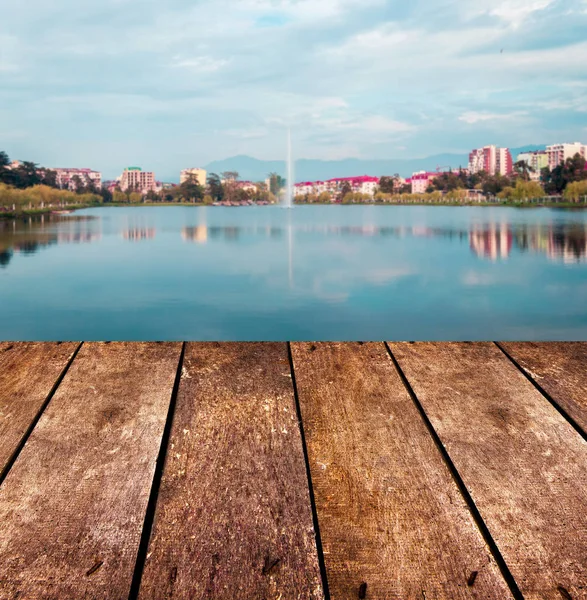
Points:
492	160
421	181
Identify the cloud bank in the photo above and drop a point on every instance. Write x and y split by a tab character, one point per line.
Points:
179	83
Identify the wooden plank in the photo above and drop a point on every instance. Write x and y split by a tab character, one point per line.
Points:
234	519
28	373
523	463
391	516
73	505
560	369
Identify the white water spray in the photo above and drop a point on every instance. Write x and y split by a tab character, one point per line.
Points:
290	174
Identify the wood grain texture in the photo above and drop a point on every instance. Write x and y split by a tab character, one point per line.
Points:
28	372
524	465
560	368
390	513
73	505
233	518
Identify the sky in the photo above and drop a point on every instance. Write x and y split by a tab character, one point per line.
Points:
173	84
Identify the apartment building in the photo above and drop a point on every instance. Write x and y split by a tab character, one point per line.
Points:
558	153
535	160
135	179
422	180
199	174
492	160
68	178
363	184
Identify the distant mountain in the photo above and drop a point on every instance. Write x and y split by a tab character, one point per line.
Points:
254	169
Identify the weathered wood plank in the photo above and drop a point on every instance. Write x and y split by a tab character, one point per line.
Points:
28	373
233	518
73	505
523	463
390	514
560	369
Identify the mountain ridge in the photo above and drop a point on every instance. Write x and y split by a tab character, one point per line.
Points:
254	169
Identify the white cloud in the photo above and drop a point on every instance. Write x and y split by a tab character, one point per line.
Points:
515	12
473	117
201	64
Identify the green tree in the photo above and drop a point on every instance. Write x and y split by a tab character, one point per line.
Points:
522	169
276	183
119	197
345	189
230	185
106	195
215	188
78	184
494	184
388	185
26	175
191	190
49	178
572	170
576	191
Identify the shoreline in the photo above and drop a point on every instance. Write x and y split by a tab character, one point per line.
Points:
45	211
34	212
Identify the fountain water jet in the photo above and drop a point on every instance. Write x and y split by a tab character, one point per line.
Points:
289	188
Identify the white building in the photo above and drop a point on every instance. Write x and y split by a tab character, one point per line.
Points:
137	180
199	174
363	184
67	178
558	153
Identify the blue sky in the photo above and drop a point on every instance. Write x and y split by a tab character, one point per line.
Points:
167	85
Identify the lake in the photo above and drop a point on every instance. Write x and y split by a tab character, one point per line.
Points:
311	273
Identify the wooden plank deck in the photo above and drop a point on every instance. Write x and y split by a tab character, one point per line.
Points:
310	471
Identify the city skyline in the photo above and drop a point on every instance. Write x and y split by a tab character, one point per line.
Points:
183	84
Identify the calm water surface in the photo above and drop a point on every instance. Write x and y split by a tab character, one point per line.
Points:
312	273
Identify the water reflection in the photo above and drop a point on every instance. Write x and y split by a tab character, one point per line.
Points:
139	234
29	235
198	235
491	241
558	240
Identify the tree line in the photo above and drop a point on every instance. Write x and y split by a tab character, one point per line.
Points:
567	179
225	187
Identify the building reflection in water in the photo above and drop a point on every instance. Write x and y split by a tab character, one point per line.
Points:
558	241
198	235
566	242
139	234
29	235
490	241
493	242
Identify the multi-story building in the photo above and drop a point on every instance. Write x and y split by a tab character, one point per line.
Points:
492	160
422	180
199	174
248	186
363	184
558	153
503	161
67	179
137	180
535	160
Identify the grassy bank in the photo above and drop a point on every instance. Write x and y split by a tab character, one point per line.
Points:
41	199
